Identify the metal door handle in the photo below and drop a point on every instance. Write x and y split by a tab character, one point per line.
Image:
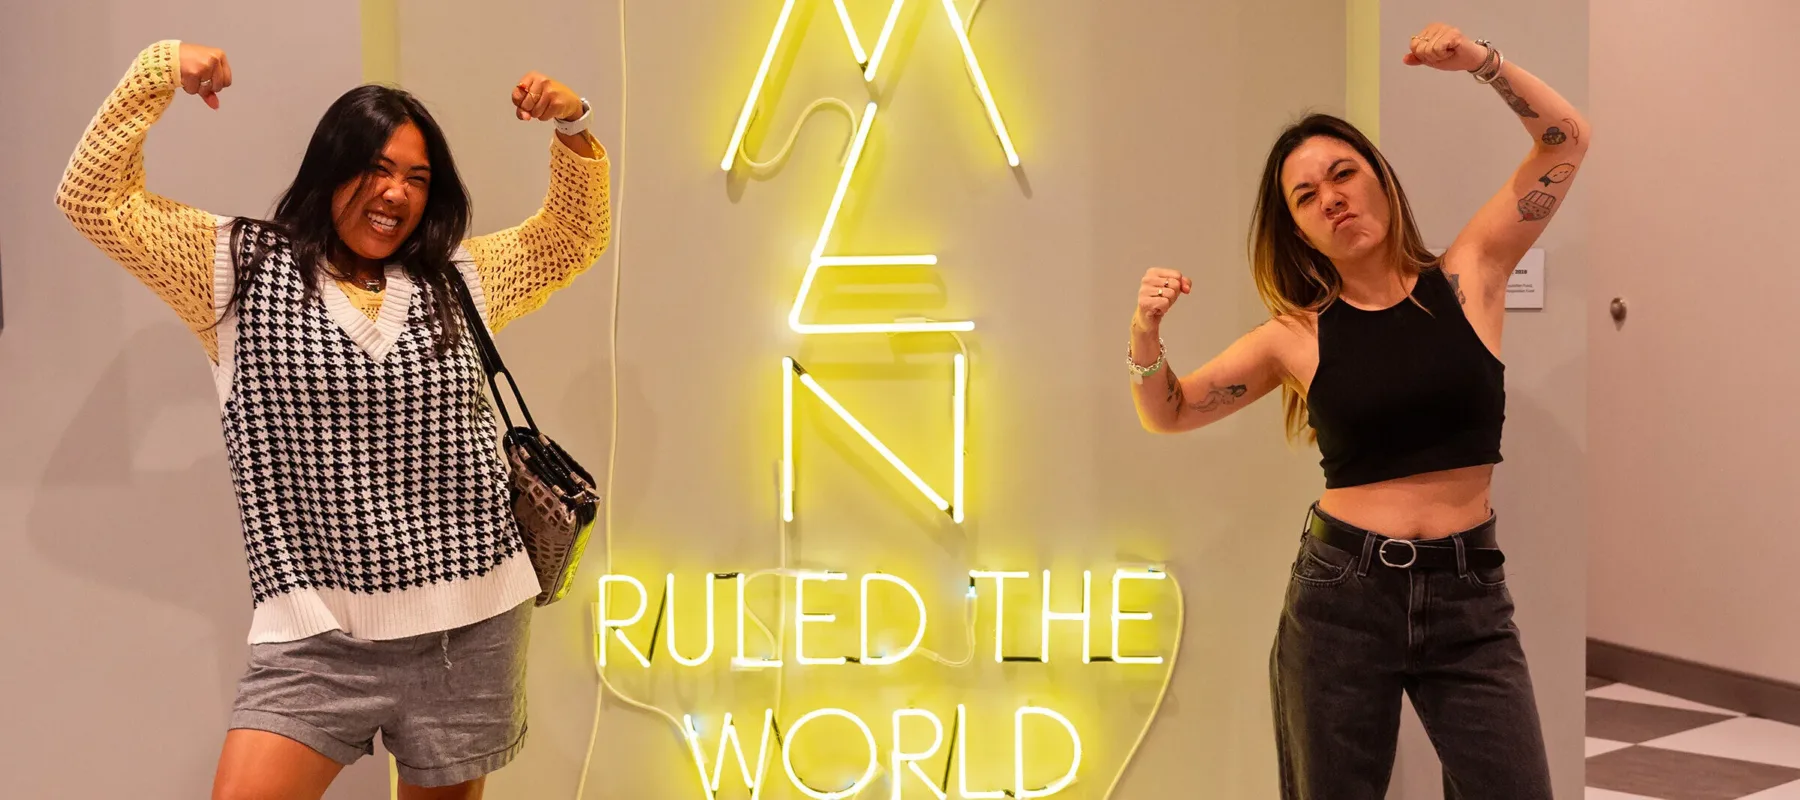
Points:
1618	309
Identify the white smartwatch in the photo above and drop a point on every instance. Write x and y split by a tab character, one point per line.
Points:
576	126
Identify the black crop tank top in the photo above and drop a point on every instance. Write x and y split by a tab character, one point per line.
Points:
1400	391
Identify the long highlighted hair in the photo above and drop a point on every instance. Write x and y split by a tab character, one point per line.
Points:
1296	280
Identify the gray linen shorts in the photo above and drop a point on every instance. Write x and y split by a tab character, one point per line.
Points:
450	706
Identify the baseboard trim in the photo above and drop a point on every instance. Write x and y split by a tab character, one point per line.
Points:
1702	683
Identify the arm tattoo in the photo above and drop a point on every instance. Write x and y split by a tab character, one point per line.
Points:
1519	106
1175	393
1539	205
1536	206
1555	136
1219	396
1456	283
1557	174
1574	130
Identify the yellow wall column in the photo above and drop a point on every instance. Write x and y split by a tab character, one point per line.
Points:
1362	73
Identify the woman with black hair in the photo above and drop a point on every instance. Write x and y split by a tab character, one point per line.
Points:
391	586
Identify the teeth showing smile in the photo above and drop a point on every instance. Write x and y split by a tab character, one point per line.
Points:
382	223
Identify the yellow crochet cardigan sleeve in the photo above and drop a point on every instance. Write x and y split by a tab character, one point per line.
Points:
169	246
165	244
523	265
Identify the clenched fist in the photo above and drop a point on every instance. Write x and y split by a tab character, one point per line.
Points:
204	71
1156	295
538	97
1444	47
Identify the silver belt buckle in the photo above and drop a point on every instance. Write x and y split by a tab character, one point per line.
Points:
1412	553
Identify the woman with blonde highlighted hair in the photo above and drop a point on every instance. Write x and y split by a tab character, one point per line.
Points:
1388	358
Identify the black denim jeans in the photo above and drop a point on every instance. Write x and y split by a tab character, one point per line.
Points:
1357	632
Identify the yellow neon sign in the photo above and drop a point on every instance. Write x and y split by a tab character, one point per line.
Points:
981	85
674	652
1057	785
868	660
1119	577
1084	616
901	762
728	738
609	629
887	31
756	86
791	371
856	48
793	734
901	759
911	760
604	622
869	62
1000	579
802	617
818	258
742	661
962	764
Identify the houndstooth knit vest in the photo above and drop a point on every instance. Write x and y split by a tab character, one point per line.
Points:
372	493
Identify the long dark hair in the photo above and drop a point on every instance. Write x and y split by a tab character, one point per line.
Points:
1293	277
345	147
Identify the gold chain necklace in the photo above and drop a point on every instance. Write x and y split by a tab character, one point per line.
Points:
370	283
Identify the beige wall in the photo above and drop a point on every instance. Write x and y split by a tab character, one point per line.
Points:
1454	143
1141	128
1694	474
121	565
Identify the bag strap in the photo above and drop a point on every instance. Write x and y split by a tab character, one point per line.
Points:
490	355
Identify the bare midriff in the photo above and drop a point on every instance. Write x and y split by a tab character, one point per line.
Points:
1427	506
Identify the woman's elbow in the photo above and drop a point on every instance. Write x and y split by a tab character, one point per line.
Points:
599	243
1162	426
65	199
91	220
1583	135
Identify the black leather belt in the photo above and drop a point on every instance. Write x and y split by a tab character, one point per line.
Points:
1480	545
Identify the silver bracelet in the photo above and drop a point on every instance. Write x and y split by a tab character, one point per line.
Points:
1139	373
1490	66
1500	61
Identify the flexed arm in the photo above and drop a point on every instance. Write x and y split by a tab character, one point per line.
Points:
165	244
522	266
1511	221
1167	403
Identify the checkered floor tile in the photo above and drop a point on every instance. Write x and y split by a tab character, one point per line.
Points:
1647	746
